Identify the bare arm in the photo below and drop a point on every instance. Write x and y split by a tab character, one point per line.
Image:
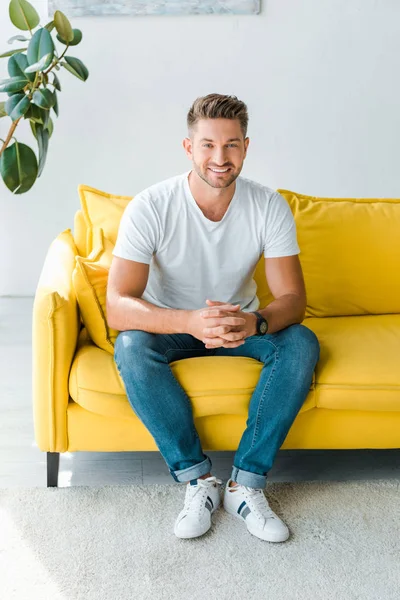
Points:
285	280
126	309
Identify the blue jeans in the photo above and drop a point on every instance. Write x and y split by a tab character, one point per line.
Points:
289	357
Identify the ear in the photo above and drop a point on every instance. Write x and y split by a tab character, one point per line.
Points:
187	144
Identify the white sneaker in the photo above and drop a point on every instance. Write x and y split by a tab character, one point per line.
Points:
251	505
201	500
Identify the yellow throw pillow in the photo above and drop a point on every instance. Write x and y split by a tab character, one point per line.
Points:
350	253
90	278
101	210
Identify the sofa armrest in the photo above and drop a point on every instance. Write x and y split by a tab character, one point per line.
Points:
55	329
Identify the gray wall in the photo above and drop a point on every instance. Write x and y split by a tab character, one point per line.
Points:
320	78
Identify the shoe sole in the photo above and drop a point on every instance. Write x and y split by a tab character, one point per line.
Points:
271	539
189	537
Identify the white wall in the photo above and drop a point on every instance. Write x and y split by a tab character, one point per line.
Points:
320	79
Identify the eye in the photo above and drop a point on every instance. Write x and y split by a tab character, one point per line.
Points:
234	145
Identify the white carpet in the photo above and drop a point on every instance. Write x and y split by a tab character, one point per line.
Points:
117	542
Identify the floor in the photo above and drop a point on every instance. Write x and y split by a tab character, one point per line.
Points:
22	464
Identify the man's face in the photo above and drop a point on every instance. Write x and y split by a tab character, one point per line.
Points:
218	144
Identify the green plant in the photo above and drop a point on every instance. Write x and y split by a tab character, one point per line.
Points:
29	94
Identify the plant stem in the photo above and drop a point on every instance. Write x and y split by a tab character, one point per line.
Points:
15	123
10	134
56	62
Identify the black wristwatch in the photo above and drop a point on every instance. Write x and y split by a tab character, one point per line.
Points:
262	323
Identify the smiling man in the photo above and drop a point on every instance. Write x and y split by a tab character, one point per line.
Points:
181	285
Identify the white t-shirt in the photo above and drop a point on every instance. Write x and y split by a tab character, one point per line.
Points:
192	258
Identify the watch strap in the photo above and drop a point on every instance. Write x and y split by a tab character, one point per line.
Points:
259	319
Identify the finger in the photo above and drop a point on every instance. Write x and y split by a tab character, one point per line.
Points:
225	332
229	336
219	312
231	321
217	303
223	305
218	342
233	336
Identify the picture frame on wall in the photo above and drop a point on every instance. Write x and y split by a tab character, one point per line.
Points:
84	8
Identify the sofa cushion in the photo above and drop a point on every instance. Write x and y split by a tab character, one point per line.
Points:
80	233
55	326
216	385
101	209
350	253
90	278
358	367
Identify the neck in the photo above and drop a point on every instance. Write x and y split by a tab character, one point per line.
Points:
208	197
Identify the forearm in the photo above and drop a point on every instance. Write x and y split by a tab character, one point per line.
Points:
135	313
282	312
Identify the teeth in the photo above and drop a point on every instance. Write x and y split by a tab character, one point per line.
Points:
219	170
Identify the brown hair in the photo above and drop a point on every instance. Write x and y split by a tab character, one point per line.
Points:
218	106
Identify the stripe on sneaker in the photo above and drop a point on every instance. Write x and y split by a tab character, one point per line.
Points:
245	512
241	506
208	505
211	502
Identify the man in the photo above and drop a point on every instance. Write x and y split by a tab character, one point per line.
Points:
180	285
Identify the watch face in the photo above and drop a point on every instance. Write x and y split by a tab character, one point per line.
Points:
263	327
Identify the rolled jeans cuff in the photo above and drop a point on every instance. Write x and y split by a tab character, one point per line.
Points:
192	472
253	480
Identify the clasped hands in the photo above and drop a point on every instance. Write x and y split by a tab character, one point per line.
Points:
228	326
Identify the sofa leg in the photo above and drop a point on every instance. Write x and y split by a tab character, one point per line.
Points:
53	461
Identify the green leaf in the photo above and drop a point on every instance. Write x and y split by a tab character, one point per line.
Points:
40	45
43	63
43	144
33	127
50	26
11	52
76	40
55	107
35	114
20	38
63	26
17	65
15	84
50	127
46	117
76	67
23	15
43	98
56	82
18	168
3	110
17	106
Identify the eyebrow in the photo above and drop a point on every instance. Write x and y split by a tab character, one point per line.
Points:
230	140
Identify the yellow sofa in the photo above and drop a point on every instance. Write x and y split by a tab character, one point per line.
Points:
350	256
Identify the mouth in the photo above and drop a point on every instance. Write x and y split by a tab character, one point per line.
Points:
220	171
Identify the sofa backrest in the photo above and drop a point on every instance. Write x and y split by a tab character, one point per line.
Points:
349	248
350	253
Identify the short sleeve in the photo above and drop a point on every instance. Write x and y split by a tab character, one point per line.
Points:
280	230
138	233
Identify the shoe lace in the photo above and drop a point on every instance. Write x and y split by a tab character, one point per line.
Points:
196	495
259	503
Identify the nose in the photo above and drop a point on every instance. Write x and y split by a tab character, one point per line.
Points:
219	160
